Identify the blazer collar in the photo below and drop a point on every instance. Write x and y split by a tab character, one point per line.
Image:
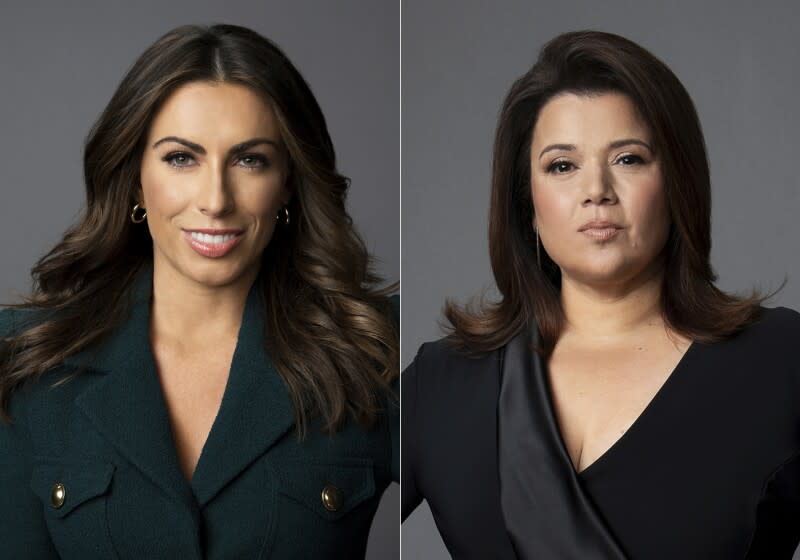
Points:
538	484
127	403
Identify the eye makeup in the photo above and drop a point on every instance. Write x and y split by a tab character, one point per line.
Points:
259	161
557	166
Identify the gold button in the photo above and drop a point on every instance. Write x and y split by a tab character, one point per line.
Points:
57	495
331	498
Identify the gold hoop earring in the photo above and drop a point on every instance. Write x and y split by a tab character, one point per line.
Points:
285	215
136	220
538	254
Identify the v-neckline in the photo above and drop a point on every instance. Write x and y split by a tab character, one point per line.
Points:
537	488
659	396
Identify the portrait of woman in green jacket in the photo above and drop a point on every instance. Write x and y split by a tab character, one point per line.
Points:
206	366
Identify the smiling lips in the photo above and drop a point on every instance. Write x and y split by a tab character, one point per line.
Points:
213	243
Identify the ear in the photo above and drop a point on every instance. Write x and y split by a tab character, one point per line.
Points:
139	195
287	189
286	194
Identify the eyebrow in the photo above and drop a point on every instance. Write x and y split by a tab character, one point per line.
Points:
237	149
611	146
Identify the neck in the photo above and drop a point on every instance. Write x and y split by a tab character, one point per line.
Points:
189	314
610	312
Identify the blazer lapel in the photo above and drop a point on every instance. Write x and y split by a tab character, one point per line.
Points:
127	404
538	484
256	409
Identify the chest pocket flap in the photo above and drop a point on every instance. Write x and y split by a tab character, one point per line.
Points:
64	486
330	489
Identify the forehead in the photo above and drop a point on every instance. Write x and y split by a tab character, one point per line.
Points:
205	111
600	118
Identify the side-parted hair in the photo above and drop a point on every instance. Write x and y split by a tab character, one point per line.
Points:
329	328
591	63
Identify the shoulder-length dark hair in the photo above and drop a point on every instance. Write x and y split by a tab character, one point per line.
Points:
587	63
331	335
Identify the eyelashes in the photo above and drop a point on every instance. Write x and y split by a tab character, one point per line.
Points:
558	166
179	160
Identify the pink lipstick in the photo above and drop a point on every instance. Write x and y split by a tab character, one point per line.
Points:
213	243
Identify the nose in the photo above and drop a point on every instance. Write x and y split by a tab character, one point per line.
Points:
599	187
214	196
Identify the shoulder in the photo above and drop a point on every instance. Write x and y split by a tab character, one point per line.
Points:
777	329
781	326
784	319
9	326
442	371
442	355
774	333
761	355
7	320
15	320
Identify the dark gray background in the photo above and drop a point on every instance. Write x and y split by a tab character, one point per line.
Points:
737	60
61	62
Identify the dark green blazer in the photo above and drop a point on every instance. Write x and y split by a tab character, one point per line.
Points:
89	469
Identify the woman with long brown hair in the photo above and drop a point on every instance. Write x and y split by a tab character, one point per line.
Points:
206	367
614	403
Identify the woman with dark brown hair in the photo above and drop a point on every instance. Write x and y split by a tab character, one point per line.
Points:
206	367
614	403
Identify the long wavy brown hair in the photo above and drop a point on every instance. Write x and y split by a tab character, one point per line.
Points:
586	63
332	335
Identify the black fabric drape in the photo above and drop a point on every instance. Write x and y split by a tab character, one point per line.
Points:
546	511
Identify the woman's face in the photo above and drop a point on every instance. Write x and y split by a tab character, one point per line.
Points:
591	159
214	160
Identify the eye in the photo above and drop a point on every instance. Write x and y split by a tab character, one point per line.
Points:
631	159
254	161
559	167
182	159
178	159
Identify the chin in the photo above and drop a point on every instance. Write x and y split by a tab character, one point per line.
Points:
215	273
602	271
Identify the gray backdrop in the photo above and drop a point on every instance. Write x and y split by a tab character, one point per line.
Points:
459	58
60	63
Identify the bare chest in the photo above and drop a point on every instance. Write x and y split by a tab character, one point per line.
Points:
599	393
193	388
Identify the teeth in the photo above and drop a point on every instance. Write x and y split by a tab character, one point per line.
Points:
212	239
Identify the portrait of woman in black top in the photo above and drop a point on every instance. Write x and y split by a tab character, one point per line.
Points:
207	364
614	403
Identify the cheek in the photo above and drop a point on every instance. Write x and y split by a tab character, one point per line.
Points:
552	209
650	213
262	206
261	201
164	195
164	199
